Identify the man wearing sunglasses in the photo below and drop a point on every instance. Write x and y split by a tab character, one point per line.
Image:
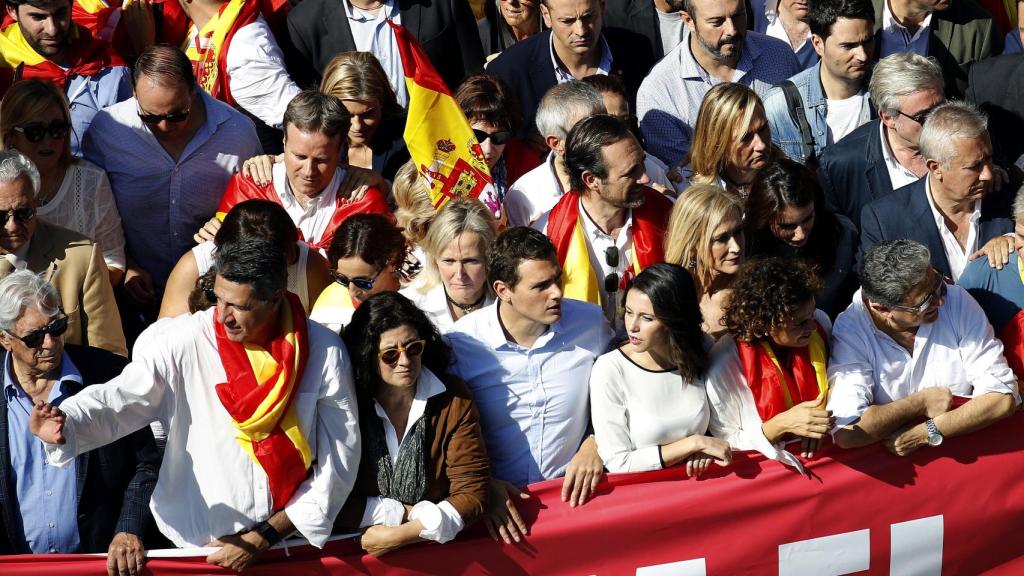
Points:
169	153
100	501
71	262
48	45
259	408
907	345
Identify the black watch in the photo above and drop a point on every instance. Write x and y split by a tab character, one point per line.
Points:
269	533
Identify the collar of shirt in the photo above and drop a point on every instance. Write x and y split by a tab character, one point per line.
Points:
690	69
563	75
940	220
494	332
427	386
890	161
353	13
68	381
890	24
556	184
324	201
595	234
777	30
956	255
217	113
18	258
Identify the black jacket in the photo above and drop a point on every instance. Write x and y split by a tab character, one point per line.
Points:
997	86
115	482
853	172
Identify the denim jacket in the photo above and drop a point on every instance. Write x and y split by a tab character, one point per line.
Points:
786	133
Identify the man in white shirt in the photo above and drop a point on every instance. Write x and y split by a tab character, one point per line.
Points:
952	210
904	348
259	443
527	360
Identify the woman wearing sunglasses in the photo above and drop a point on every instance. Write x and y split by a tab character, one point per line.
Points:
366	257
73	193
768	383
424	472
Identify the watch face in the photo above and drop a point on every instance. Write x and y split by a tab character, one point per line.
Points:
934	439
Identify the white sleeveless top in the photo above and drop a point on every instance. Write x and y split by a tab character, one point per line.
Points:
203	253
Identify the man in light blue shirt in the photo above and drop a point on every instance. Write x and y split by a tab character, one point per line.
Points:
527	360
169	153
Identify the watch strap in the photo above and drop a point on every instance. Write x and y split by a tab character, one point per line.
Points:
268	532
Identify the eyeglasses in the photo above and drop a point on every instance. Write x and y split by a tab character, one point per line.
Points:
920	117
36	131
413	349
497	138
938	293
173	117
611	258
56	328
20	215
364	284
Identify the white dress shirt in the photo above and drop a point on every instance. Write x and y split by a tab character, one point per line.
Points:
314	219
635	411
256	74
371	33
533	194
897	38
443	522
959	351
434	303
533	401
899	175
956	255
777	30
208	485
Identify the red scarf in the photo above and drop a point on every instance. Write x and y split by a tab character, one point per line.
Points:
262	410
241	189
766	380
87	56
1012	337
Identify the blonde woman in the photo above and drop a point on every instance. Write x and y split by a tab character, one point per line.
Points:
73	193
705	235
454	281
731	140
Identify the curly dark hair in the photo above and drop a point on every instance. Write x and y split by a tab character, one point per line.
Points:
378	314
766	293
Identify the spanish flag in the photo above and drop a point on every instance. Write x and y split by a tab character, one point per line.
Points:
87	56
437	133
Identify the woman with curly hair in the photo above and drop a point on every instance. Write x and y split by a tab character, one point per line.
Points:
423	473
647	400
768	383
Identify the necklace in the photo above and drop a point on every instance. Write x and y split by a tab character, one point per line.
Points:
465	307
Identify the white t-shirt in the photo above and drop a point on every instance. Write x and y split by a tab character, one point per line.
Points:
843	116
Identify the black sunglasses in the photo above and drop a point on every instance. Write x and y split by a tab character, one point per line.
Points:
173	117
56	327
20	215
364	284
920	117
497	138
36	131
611	258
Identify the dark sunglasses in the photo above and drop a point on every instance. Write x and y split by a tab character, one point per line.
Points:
920	117
391	355
364	284
56	327
36	131
611	258
497	138
20	215
173	117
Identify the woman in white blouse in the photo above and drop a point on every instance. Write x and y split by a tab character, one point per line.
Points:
73	193
454	281
648	404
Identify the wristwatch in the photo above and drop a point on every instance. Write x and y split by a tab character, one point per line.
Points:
934	436
269	533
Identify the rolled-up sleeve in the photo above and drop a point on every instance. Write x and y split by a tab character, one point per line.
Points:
851	376
982	353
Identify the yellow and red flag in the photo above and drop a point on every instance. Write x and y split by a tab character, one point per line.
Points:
438	135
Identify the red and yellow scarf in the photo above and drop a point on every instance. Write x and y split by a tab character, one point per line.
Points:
1012	334
87	56
208	49
258	395
777	388
579	281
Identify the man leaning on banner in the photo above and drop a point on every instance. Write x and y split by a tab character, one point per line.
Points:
259	408
43	42
611	225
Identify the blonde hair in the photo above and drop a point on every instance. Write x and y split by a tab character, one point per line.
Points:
359	76
699	211
454	219
415	210
27	99
727	110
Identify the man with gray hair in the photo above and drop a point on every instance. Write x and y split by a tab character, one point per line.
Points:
100	501
952	210
250	391
71	262
904	348
535	192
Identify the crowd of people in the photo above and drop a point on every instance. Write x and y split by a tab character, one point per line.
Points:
720	225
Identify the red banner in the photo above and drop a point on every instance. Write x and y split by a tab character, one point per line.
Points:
956	509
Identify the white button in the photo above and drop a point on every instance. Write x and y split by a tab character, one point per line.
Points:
49	492
52	524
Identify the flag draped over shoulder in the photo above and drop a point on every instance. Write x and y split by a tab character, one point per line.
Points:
208	51
438	135
87	55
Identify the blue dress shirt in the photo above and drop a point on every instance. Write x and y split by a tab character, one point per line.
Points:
47	495
87	95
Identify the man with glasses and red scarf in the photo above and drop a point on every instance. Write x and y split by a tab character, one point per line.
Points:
612	225
259	408
43	42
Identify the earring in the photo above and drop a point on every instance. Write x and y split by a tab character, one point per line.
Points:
692	264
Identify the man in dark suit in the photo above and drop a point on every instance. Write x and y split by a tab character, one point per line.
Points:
100	503
952	210
997	86
319	30
576	46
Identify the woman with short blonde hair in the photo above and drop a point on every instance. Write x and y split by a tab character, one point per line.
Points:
415	211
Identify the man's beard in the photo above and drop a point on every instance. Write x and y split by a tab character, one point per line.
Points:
716	51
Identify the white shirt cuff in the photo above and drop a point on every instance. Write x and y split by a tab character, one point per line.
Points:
382	511
441	522
60	455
